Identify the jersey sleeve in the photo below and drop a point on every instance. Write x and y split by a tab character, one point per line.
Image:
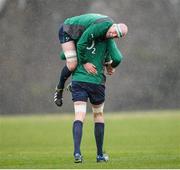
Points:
114	53
92	32
108	59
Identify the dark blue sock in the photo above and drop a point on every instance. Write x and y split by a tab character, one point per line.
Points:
65	74
77	135
99	136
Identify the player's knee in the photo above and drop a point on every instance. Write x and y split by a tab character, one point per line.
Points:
98	117
71	65
98	112
80	110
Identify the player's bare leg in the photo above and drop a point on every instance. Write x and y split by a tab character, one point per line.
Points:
71	63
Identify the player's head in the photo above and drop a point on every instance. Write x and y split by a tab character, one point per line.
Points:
117	31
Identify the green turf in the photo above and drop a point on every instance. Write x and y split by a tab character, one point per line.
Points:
132	140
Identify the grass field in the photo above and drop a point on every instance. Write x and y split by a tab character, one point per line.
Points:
132	140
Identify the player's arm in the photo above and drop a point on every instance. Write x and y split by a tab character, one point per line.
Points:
91	33
114	52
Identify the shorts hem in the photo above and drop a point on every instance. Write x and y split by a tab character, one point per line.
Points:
79	100
97	103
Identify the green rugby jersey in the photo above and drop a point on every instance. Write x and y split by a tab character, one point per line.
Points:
97	53
86	28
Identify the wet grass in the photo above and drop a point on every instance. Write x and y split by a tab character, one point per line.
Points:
132	140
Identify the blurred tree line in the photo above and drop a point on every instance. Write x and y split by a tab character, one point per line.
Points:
148	78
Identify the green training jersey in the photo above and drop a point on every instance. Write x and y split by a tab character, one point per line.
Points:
84	29
97	52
